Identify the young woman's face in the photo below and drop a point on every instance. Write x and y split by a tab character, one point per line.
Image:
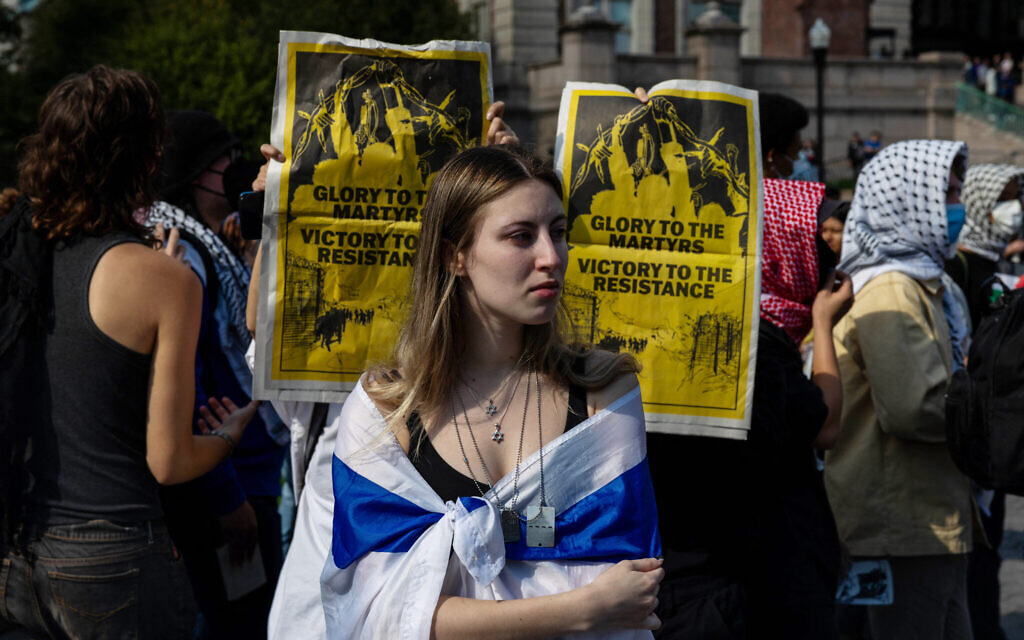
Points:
515	268
832	234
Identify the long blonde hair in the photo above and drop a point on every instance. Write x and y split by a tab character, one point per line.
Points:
431	341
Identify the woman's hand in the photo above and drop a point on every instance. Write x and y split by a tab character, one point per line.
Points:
167	243
499	132
226	417
834	300
270	152
625	596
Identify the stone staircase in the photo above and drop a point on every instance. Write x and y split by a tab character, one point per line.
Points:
986	142
992	129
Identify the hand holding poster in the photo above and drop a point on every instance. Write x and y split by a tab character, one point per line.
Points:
664	199
364	126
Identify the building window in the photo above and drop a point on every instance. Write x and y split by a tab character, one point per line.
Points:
618	11
621	11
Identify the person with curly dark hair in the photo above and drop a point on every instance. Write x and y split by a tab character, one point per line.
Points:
107	397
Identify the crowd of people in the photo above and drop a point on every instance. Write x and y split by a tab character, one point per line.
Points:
143	479
997	76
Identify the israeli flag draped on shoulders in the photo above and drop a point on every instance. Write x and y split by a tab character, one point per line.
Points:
391	550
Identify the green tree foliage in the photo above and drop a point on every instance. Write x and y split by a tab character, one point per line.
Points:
215	55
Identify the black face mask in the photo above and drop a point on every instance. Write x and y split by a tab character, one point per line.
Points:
236	179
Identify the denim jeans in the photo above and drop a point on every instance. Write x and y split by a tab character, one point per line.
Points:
96	579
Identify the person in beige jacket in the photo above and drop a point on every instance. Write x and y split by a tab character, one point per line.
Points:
891	482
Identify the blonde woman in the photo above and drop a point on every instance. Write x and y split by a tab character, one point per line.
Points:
491	481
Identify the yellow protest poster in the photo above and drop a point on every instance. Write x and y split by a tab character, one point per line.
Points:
664	201
364	126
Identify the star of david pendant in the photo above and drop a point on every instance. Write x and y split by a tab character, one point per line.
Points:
491	408
497	436
510	526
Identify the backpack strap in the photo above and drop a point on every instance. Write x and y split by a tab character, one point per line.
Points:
317	424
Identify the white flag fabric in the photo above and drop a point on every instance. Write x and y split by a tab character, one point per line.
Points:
393	536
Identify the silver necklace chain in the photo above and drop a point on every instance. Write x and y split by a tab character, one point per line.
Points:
491	409
513	505
519	458
476	447
498	436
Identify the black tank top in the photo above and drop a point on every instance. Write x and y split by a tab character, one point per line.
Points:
449	483
89	458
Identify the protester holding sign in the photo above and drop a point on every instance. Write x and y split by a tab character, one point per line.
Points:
750	544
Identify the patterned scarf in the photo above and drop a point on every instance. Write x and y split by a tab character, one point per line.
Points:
982	187
231	273
789	267
897	221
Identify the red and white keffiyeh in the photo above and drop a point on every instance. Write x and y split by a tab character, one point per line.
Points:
789	267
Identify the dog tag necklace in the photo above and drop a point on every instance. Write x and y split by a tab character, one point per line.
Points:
539	519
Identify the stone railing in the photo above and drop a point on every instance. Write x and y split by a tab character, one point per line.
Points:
998	113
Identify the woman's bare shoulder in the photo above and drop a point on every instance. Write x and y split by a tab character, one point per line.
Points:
617	387
136	290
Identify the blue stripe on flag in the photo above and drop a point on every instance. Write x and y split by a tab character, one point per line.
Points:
371	518
616	522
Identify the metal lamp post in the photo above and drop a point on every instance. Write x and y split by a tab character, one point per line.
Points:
819	36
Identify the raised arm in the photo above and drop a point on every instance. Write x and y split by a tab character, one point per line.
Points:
173	452
830	305
253	301
269	152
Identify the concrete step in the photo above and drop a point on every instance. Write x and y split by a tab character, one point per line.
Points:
986	142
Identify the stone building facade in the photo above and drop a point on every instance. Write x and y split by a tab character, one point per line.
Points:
539	45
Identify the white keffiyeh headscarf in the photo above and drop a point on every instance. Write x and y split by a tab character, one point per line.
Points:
982	188
897	221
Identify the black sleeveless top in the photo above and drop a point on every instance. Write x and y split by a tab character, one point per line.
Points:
451	484
89	448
